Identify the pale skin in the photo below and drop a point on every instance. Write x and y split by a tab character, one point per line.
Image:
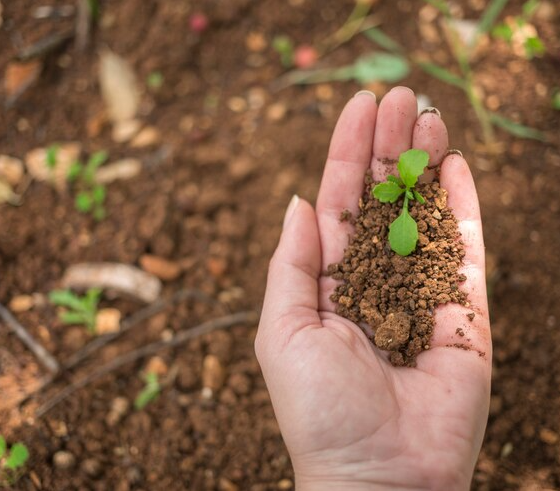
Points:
349	419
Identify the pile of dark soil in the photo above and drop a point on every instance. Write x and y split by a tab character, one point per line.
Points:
396	295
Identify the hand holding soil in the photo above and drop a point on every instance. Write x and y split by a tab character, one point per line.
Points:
350	419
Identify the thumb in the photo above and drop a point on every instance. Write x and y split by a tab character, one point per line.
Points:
291	298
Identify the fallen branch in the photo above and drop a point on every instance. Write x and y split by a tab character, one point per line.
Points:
134	320
34	346
248	317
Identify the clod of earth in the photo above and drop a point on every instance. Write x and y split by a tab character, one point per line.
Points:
396	296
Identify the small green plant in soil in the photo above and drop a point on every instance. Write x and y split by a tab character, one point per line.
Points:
555	102
403	232
91	195
80	310
150	391
52	153
12	461
154	80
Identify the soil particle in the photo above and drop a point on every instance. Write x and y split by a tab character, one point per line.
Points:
471	316
395	295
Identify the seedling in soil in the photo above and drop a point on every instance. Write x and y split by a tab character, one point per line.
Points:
150	391
284	46
12	462
51	156
81	310
91	196
154	80
556	99
403	232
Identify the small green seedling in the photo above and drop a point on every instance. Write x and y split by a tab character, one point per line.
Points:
51	157
403	232
81	310
150	391
91	196
284	46
155	80
12	461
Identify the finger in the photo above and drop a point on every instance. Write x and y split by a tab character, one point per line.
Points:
430	135
453	326
395	121
291	298
343	178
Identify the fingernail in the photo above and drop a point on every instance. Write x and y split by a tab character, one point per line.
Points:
401	88
454	151
366	92
291	209
431	110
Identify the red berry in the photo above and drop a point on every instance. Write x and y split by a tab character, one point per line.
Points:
305	56
198	22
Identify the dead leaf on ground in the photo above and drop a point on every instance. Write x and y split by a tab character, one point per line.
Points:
119	87
120	170
66	154
116	276
19	77
7	194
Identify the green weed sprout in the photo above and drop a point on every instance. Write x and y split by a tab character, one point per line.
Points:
403	232
12	461
284	46
150	391
51	157
91	197
81	310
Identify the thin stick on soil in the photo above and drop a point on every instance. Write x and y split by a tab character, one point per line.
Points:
133	321
34	346
249	317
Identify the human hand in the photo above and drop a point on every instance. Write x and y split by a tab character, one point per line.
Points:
350	420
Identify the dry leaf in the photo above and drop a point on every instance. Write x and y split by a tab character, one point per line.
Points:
118	87
119	170
19	77
7	194
120	277
11	169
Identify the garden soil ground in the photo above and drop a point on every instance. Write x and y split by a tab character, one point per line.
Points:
211	199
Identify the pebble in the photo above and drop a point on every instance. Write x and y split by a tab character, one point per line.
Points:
256	42
64	460
241	168
285	484
217	266
276	112
548	436
156	365
213	373
11	169
237	104
91	467
123	131
162	268
107	321
21	303
119	408
148	137
120	170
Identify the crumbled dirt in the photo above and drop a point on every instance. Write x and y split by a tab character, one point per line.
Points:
395	295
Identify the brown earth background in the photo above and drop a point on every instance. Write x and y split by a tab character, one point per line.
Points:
211	197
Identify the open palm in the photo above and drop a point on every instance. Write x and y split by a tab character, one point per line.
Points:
350	420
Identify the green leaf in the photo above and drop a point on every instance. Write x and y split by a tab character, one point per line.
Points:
149	392
419	197
441	5
72	318
154	80
556	99
91	298
409	194
285	48
65	298
387	192
403	234
52	152
3	446
396	180
98	193
380	67
379	37
503	31
517	129
534	47
94	9
411	165
18	456
442	74
96	160
99	213
84	202
529	8
74	171
490	15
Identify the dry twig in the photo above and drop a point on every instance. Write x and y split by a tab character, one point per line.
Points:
248	317
34	346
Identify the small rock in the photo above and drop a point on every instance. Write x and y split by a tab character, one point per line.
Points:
123	131
226	485
285	484
156	365
66	154
21	303
276	112
394	332
256	42
436	214
241	168
107	321
237	104
213	373
11	169
160	267
148	137
118	171
217	266
548	436
91	467
64	460
119	408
